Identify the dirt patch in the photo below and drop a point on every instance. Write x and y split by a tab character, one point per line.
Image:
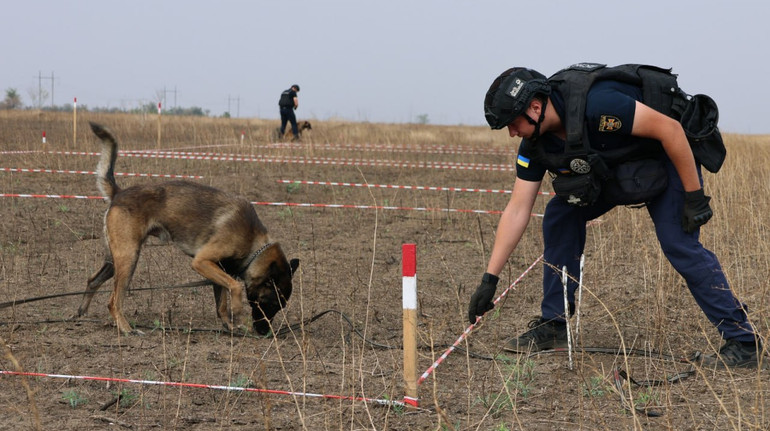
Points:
351	269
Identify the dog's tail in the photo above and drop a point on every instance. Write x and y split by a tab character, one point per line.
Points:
105	171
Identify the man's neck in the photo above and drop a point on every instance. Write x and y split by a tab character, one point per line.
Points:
552	122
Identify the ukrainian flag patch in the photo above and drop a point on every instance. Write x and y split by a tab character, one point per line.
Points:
523	161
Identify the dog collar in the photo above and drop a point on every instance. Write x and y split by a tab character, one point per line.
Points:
254	256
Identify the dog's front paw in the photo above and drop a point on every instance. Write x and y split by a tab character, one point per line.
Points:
242	329
129	330
228	325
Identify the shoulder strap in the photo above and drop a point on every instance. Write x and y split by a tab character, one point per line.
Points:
659	91
573	83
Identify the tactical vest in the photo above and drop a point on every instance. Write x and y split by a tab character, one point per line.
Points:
660	91
286	101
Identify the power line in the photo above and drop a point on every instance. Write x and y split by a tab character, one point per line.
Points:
40	79
165	102
238	105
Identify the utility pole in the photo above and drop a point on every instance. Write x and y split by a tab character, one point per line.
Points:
238	105
169	91
40	79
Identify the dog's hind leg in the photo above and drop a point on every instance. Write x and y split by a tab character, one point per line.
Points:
125	241
94	283
125	263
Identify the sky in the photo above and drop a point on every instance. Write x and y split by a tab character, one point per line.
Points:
394	61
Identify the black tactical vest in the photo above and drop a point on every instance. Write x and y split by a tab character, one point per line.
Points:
660	91
286	100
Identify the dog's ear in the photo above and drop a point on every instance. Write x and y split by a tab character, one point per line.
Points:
294	264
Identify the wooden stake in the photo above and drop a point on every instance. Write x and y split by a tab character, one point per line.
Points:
409	294
75	123
159	125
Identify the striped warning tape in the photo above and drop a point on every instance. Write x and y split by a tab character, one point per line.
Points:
433	149
21	151
288	204
468	330
311	161
392	186
119	174
205	386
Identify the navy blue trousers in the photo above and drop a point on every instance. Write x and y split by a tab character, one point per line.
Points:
287	115
564	234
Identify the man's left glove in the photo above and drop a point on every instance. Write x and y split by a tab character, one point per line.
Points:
696	210
481	300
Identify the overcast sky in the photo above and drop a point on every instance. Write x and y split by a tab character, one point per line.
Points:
385	61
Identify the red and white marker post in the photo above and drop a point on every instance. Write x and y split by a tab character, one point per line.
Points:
44	136
159	125
409	294
75	122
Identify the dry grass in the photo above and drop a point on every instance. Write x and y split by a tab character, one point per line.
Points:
350	262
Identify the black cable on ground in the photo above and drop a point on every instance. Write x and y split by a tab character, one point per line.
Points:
16	302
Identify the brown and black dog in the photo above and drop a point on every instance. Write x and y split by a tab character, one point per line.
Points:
301	125
222	234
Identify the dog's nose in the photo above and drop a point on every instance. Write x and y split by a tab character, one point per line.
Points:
261	326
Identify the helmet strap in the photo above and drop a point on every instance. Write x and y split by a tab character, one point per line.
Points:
537	123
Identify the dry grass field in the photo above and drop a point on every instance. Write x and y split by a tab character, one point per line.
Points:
638	324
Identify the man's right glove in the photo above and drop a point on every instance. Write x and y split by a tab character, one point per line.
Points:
481	300
696	210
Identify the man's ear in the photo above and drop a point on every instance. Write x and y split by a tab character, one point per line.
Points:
536	105
294	264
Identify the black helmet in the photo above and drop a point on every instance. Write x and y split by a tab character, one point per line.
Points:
510	94
296	86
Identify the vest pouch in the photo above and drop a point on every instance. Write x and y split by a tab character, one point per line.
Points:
699	121
579	190
636	182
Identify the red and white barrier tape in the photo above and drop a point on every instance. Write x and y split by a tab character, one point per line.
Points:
191	147
289	204
21	151
204	386
421	149
468	330
311	161
118	174
381	207
27	195
426	149
391	186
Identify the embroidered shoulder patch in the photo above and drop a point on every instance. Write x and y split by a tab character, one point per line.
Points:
609	123
523	161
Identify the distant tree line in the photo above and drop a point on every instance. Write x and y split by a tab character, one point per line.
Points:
12	100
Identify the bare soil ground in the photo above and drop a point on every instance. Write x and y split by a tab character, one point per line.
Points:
351	267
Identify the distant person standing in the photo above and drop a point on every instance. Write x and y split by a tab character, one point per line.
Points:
288	104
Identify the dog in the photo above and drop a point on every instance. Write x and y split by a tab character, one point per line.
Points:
222	234
301	125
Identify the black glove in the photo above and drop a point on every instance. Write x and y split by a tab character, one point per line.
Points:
481	300
696	210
